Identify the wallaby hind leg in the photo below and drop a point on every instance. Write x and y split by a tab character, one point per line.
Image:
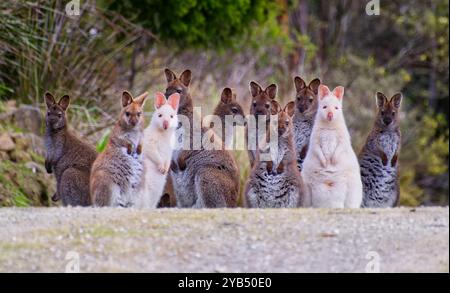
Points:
215	189
74	188
100	190
168	198
354	193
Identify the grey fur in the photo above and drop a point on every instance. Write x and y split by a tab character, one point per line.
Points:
277	183
68	157
379	158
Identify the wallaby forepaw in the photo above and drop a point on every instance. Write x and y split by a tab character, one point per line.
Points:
55	197
139	149
162	169
48	167
129	149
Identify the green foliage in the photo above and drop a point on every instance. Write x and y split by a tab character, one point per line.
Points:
195	23
42	49
101	144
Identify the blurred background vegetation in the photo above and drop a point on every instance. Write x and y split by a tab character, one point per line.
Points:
125	44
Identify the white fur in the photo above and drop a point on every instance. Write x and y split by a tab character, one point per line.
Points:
157	149
331	171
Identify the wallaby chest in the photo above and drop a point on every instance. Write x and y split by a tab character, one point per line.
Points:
328	142
388	142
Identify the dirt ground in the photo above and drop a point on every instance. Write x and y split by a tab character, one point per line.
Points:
224	240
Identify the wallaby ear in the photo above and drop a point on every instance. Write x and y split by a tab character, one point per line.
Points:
271	90
396	100
339	92
49	99
299	83
226	96
127	99
141	99
185	77
275	107
290	108
174	101
170	75
255	88
381	99
314	85
323	91
64	102
160	99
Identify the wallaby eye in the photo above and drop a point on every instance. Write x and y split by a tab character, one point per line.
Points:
171	116
267	106
234	110
139	114
382	112
336	108
179	91
160	115
127	114
59	115
287	122
311	99
254	104
324	107
393	113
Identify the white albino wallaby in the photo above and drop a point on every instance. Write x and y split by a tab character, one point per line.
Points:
159	142
331	171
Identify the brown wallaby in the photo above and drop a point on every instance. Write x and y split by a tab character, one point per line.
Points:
201	178
228	107
276	183
305	113
185	109
379	157
68	157
262	105
116	173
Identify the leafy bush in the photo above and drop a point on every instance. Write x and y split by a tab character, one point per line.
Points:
193	23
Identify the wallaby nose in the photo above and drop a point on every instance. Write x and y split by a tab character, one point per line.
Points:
330	116
302	109
165	124
387	121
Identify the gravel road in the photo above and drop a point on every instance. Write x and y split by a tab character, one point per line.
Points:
231	240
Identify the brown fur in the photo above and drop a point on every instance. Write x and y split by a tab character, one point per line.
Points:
115	173
263	103
68	157
201	178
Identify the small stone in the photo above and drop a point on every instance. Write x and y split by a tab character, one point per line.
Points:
6	143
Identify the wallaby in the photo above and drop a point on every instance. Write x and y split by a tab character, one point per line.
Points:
305	113
159	142
331	171
277	183
68	157
206	178
228	107
263	104
379	157
185	109
116	173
